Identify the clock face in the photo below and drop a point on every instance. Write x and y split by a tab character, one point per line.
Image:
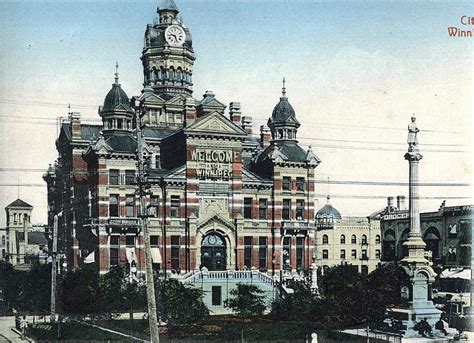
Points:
175	35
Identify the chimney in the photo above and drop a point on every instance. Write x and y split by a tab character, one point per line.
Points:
401	202
75	118
247	124
235	112
389	204
190	111
265	136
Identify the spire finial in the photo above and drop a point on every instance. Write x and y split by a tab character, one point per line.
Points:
328	197
116	72
283	90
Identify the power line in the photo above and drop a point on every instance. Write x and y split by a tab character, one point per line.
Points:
335	125
349	196
352	126
323	146
317	180
96	120
392	183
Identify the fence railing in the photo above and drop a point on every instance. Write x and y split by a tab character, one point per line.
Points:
229	274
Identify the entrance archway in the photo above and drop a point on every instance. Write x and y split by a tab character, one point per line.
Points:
213	252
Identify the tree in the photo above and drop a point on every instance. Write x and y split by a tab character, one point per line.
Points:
26	291
382	288
344	300
247	301
80	289
301	305
111	290
181	305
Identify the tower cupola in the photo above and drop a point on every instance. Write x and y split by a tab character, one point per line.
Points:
116	113
168	56
283	123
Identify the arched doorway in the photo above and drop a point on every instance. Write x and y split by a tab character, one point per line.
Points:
213	252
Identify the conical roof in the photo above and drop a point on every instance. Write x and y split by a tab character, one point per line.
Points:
167	5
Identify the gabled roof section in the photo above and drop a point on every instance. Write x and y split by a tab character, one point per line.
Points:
250	178
216	218
288	151
215	124
89	132
18	203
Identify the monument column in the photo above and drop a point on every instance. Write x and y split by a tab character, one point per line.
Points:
415	244
416	265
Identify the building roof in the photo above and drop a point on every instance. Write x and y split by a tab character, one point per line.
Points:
19	203
167	5
283	112
123	142
290	151
328	211
116	97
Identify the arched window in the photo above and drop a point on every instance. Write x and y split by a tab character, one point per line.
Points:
179	75
353	239
325	254
343	239
377	239
325	239
364	239
171	74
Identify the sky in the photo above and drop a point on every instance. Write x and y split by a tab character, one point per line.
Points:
356	71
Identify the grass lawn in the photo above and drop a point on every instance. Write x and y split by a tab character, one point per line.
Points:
69	331
220	329
217	329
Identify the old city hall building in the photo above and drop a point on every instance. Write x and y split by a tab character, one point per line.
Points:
222	196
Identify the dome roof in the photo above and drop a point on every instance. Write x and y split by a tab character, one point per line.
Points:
115	97
328	211
283	111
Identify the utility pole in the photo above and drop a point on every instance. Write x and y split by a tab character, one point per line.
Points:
53	267
143	190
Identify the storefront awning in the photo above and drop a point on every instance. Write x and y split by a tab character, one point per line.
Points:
464	274
156	255
131	256
90	258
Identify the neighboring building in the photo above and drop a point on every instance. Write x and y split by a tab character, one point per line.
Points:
446	232
224	197
21	244
350	240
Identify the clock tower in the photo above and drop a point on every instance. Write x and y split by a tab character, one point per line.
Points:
168	55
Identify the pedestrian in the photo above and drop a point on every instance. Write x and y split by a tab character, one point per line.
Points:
440	326
23	326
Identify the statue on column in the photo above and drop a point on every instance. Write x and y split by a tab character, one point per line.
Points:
412	131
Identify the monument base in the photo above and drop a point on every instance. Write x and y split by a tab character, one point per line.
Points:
409	317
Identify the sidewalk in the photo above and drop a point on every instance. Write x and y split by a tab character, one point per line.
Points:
6	332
